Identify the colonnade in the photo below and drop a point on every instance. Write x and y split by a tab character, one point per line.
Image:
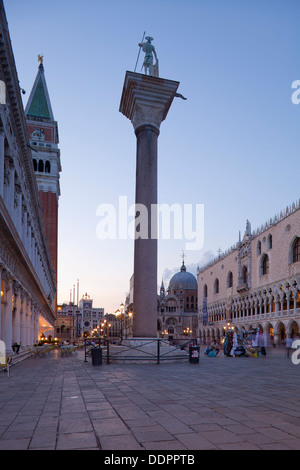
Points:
19	313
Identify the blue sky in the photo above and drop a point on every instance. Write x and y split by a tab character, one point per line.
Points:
232	146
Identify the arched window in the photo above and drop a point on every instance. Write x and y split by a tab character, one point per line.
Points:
269	242
245	275
264	265
216	286
258	248
205	291
47	166
296	251
34	164
229	279
41	166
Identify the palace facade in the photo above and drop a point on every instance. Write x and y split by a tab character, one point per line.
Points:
256	283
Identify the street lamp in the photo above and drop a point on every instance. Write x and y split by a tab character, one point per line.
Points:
122	318
187	331
118	313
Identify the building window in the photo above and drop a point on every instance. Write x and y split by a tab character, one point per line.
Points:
216	286
229	279
264	266
205	291
258	248
47	166
41	166
245	275
296	250
269	242
34	164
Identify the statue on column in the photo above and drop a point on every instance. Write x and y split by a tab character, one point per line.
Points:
149	50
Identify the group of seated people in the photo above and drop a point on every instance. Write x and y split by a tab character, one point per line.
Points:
213	349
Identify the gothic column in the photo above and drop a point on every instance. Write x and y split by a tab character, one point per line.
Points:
295	292
146	101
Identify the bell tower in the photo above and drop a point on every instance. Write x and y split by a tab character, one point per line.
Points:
43	136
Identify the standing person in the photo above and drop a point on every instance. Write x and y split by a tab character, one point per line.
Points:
262	343
289	343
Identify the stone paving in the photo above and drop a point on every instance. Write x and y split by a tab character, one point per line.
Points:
64	403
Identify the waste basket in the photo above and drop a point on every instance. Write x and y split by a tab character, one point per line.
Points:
96	356
194	354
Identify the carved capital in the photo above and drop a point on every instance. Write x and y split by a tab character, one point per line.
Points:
146	100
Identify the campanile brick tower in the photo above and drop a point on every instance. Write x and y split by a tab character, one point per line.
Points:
43	134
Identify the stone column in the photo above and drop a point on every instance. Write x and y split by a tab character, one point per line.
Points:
1	304
7	317
23	319
28	321
146	101
1	162
16	313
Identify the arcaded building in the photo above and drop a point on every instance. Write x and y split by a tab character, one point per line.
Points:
28	285
256	283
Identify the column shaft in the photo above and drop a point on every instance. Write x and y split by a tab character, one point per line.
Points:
145	249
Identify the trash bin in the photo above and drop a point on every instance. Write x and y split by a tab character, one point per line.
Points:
194	354
96	356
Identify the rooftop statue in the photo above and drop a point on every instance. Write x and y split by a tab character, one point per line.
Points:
40	59
149	50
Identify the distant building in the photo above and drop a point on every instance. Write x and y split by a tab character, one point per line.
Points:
65	328
77	321
255	284
178	307
90	318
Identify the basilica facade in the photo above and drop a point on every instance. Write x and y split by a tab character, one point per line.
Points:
178	306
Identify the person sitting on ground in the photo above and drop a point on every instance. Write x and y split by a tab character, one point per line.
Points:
15	347
215	346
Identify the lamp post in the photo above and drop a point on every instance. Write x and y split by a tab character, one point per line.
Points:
187	331
121	313
129	324
117	314
122	317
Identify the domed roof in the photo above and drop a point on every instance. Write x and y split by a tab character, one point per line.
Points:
183	280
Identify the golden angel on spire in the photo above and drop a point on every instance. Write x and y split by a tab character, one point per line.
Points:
40	59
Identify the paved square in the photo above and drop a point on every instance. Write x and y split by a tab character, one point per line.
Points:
59	402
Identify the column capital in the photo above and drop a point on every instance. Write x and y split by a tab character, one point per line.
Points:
146	100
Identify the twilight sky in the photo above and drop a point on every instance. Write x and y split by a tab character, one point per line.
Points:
233	145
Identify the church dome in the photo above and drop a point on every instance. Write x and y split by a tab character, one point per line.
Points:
183	281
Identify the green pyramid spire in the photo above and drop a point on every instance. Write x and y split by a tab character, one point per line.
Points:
39	104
